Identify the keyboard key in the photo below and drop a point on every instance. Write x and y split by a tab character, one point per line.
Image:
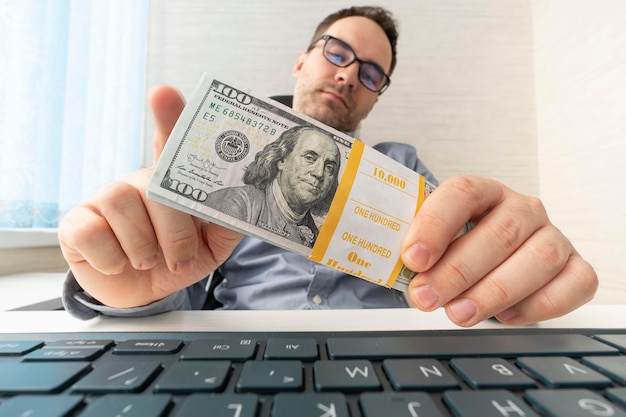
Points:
376	404
11	348
127	405
563	372
194	376
309	405
270	376
612	366
230	349
487	403
147	346
36	378
617	394
220	405
418	374
356	375
40	405
302	349
63	354
465	345
118	377
81	343
572	403
485	373
616	340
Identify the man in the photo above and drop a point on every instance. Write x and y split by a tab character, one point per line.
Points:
290	178
132	256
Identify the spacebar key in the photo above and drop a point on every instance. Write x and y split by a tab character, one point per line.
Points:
465	345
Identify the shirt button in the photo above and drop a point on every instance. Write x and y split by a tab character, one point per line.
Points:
317	300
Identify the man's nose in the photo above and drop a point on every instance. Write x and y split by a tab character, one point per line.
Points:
349	75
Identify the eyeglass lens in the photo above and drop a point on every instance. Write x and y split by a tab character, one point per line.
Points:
340	54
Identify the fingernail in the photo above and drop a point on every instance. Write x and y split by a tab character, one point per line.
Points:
182	266
419	254
148	263
463	309
426	297
508	314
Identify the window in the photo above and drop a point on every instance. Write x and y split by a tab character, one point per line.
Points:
71	105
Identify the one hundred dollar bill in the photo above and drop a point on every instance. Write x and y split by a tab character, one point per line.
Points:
256	166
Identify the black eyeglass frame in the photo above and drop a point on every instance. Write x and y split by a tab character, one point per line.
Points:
355	58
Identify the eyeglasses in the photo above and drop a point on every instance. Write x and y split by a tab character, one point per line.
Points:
339	53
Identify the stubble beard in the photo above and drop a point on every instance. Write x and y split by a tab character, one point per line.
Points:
313	104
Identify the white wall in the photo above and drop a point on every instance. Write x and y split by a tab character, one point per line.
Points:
580	61
462	92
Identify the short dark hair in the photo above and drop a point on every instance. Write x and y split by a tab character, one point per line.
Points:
381	16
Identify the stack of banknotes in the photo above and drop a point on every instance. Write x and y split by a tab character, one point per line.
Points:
256	166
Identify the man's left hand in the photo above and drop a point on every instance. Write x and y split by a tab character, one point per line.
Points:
514	264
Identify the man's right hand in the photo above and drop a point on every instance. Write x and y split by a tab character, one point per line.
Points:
126	250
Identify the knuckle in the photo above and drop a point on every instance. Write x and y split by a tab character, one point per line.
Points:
535	205
588	281
507	232
117	197
551	254
90	232
464	186
460	274
180	240
499	295
546	306
436	223
592	282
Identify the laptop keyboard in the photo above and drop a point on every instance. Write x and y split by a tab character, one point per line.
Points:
464	373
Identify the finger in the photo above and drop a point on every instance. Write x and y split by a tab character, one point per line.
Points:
574	286
222	242
167	104
537	261
122	205
443	214
176	232
496	236
85	237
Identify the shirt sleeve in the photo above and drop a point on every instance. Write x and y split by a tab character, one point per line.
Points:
79	304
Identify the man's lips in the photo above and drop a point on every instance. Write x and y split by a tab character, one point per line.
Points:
337	97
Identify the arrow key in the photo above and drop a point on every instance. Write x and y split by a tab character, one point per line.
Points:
270	376
118	377
194	376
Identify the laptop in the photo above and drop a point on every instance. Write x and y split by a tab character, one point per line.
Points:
351	363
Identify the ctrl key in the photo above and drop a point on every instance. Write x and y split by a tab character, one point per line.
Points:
39	378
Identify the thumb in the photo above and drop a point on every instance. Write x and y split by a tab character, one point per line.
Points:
167	104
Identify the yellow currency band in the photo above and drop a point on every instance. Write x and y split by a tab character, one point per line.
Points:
399	265
339	202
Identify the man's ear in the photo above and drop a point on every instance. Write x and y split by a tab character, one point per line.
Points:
299	63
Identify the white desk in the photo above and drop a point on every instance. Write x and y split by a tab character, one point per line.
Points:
22	290
590	316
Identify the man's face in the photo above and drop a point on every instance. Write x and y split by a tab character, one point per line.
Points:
306	175
334	95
